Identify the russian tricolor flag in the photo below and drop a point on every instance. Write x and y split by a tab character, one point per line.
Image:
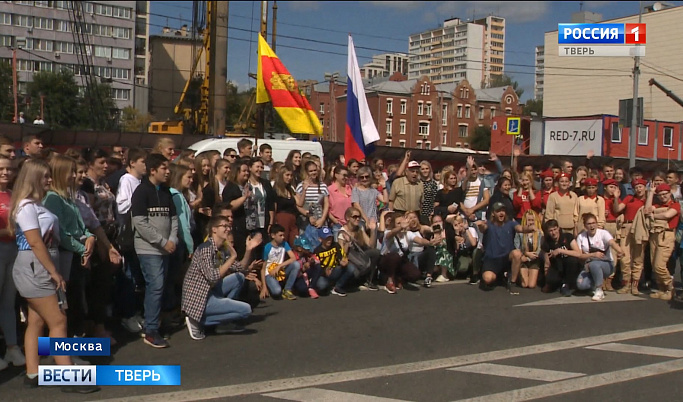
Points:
360	129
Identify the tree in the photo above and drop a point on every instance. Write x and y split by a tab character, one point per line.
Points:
98	109
134	121
481	139
503	81
533	105
6	97
61	98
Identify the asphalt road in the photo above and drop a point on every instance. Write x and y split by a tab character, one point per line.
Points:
451	342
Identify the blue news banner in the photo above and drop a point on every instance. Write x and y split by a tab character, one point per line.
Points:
97	375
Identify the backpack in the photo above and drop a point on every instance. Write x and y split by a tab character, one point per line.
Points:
125	239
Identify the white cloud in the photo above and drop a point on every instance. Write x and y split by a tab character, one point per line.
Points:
303	5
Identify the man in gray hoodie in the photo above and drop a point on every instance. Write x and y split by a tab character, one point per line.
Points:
156	235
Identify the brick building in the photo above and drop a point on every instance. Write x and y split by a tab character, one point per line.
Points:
417	113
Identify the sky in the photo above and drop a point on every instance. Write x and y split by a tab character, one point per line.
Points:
312	35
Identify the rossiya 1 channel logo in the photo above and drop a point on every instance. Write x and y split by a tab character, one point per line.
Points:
601	40
97	375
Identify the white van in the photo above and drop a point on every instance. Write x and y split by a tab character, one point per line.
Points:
281	148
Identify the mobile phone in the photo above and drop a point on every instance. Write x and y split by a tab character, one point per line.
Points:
61	299
436	228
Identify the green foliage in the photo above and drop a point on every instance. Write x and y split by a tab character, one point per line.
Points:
505	80
61	99
98	108
236	102
533	105
134	121
481	139
6	97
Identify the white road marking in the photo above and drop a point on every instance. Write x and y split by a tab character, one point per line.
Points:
582	383
638	349
405	368
326	395
517	372
609	297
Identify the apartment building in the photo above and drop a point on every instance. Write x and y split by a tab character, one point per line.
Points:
539	72
117	33
384	65
459	50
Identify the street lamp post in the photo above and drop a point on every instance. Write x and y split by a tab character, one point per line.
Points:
332	78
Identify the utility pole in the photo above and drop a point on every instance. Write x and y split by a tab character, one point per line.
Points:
268	108
218	55
14	85
634	130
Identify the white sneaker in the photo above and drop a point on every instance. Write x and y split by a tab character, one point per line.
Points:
15	357
598	295
441	279
3	364
131	325
79	362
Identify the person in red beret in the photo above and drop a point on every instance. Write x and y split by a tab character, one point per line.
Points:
589	203
561	204
547	187
665	212
632	261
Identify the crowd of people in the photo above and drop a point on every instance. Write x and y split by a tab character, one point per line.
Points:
166	238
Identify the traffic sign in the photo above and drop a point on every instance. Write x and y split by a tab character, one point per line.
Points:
495	126
513	125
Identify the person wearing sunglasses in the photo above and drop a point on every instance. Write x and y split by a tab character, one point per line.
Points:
340	198
365	198
352	234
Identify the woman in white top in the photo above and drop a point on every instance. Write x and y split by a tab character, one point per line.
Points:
35	269
594	244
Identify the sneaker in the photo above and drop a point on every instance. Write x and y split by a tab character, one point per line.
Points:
368	286
665	295
79	362
441	279
474	280
288	295
598	295
155	340
229	328
313	293
565	291
15	357
428	282
80	389
195	329
338	292
30	382
656	294
390	287
131	324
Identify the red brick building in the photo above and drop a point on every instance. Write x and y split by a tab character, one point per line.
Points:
416	113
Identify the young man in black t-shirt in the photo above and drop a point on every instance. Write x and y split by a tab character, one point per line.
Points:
560	252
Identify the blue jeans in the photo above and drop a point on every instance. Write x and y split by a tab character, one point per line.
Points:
221	305
154	269
599	270
291	272
336	227
339	276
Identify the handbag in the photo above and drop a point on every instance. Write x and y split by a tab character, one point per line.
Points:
125	238
357	256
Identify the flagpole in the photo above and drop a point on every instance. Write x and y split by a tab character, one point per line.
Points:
260	113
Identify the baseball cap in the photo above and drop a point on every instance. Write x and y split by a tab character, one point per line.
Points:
498	206
324	232
413	164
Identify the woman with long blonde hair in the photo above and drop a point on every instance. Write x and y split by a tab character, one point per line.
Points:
526	258
35	270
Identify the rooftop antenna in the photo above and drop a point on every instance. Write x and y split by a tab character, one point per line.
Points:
580	6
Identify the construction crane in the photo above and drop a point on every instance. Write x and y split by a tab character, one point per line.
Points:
209	117
666	91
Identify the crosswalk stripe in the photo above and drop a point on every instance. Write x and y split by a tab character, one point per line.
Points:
526	373
326	395
638	349
609	297
581	383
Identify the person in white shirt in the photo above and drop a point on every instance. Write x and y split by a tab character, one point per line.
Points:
131	180
594	244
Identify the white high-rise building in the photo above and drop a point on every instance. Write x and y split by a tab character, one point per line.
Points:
538	73
384	65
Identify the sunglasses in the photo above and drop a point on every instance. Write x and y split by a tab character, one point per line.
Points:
355	216
232	156
364	177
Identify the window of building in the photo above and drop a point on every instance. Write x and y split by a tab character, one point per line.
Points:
402	143
322	108
444	137
668	136
508	111
467	112
102	51
5	18
22	21
388	131
387	143
322	122
43	66
44	23
462	130
444	115
459	112
424	89
403	106
42	3
481	112
120	53
42	44
616	132
63	26
123	33
467	93
418	144
428	145
120	94
120	73
6	40
24	65
493	112
643	136
428	109
402	127
64	47
390	106
423	128
420	108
